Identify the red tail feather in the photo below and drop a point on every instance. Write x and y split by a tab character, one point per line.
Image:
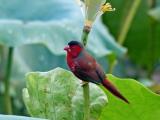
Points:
109	86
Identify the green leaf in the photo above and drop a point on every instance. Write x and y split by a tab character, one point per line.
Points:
144	104
57	94
37	57
56	23
155	13
14	117
38	10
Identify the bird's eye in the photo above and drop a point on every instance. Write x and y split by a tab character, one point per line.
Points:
73	47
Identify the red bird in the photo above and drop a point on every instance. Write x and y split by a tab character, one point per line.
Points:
85	67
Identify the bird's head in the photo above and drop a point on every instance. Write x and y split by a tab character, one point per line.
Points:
73	48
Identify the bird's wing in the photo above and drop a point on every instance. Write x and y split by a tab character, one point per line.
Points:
89	76
86	62
86	69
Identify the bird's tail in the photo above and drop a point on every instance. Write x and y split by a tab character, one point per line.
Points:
109	86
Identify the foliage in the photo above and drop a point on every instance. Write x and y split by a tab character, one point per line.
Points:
142	48
58	95
38	31
144	104
155	13
39	37
48	27
47	96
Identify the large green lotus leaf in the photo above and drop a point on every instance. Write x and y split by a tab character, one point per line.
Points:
37	57
54	26
38	10
144	104
57	94
14	117
15	33
142	49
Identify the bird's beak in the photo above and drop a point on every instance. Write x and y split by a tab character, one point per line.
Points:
66	48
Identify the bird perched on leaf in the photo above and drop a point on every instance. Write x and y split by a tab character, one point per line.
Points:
86	68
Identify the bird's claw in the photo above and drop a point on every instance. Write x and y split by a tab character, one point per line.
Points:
83	83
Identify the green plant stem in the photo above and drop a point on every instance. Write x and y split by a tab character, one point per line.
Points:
151	47
112	65
86	101
152	3
1	61
86	95
86	31
127	23
125	28
7	100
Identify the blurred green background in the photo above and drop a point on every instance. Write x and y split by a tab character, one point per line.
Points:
126	42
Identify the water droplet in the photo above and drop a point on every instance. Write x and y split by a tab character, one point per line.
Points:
10	31
42	58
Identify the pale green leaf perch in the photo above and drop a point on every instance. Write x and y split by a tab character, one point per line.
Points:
58	95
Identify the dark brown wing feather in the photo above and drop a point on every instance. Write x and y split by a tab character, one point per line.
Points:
87	69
